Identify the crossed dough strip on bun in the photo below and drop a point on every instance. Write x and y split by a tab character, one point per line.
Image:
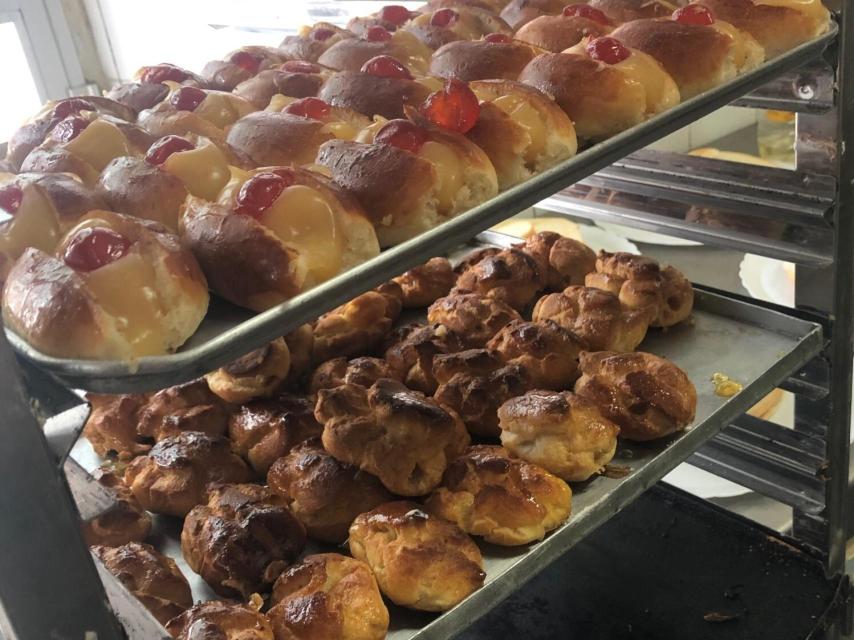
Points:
220	620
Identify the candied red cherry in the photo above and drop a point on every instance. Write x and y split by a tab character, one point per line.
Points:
694	14
69	128
300	66
386	67
321	34
395	14
455	107
377	33
444	18
95	247
10	198
313	108
165	147
498	38
260	192
402	134
246	60
71	106
586	11
162	73
188	98
608	50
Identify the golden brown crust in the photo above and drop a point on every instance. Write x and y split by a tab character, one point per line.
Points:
323	492
328	596
174	476
165	119
111	428
545	351
559	32
488	493
560	431
595	316
271	138
69	196
151	577
125	522
300	343
420	561
519	12
474	318
410	350
424	284
257	374
352	53
401	436
511	276
261	88
361	371
620	11
491	5
225	75
470	23
305	47
677	298
186	407
218	620
564	261
265	430
138	95
647	396
481	60
242	539
372	95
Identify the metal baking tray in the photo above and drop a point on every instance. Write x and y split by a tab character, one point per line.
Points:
228	333
753	345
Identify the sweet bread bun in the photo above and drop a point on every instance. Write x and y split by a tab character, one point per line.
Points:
646	396
125	522
510	276
698	57
409	190
374	95
469	60
620	11
410	350
220	620
349	605
323	492
777	25
240	65
558	32
351	54
420	561
564	433
473	317
265	430
311	41
399	435
149	85
191	406
490	5
546	352
426	283
361	371
517	13
390	18
86	303
242	539
174	476
154	579
111	428
485	492
564	261
295	79
357	327
603	98
474	383
256	375
442	26
522	130
257	253
595	316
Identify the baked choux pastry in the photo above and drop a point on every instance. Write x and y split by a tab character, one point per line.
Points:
111	428
300	343
566	29
510	276
125	522
324	493
426	283
564	261
420	561
473	317
219	619
410	350
564	433
191	406
311	41
399	435
507	501
361	371
495	57
240	65
258	374
646	396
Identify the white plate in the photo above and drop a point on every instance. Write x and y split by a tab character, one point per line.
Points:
768	279
649	237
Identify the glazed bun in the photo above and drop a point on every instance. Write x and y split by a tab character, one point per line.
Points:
486	492
411	348
473	317
420	561
352	54
564	261
469	60
125	522
256	375
86	303
510	276
362	371
401	436
490	5
620	11
374	95
564	433
517	13
459	23
220	620
647	396
311	41
240	65
294	79
423	285
558	32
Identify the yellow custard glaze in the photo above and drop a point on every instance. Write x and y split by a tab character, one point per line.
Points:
525	115
33	225
203	170
661	90
222	109
812	8
411	51
99	143
448	169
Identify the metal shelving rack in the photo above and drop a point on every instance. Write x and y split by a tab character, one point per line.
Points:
50	582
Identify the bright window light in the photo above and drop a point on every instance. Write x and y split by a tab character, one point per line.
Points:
16	106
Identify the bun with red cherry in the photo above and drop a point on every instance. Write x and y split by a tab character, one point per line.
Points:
519	12
350	54
294	78
490	5
494	57
566	29
240	65
461	23
621	11
312	41
148	89
117	288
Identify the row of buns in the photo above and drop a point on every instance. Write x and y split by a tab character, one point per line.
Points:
278	168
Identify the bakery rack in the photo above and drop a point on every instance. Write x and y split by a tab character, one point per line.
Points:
52	589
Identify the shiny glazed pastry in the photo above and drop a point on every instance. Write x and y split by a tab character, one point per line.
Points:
149	85
265	430
85	301
697	50
151	577
420	561
563	261
361	371
517	13
510	276
399	435
174	476
564	433
125	522
111	428
488	493
472	317
240	65
646	396
491	5
495	57
256	375
242	539
389	17
311	41
595	316
190	406
566	29
410	350
293	79
546	352
300	343
446	25
351	54
324	493
218	620
423	285
620	11
278	232
328	596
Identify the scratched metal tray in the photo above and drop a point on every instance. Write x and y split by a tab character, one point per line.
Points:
228	333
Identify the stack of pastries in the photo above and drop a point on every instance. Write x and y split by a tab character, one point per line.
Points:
393	445
277	168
